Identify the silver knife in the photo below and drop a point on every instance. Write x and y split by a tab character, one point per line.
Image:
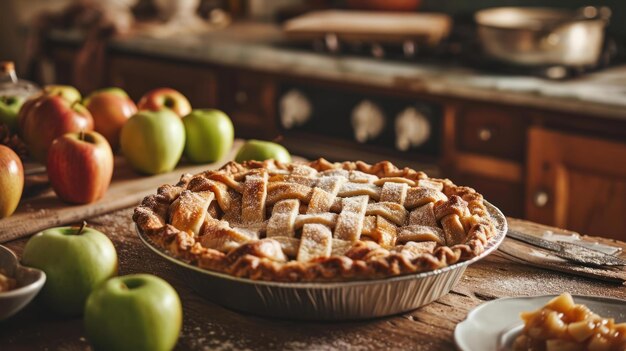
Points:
569	251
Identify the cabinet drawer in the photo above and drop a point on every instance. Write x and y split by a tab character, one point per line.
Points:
249	101
496	132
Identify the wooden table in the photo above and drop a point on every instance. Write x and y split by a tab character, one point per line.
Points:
209	326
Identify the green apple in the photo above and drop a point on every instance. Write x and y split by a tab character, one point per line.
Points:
209	135
9	109
67	92
153	141
262	150
75	261
134	312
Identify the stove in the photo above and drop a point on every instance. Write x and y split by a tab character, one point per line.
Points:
353	122
461	48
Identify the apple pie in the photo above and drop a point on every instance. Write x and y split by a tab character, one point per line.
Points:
317	221
562	325
6	283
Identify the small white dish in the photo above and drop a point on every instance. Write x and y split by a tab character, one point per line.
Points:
29	282
494	325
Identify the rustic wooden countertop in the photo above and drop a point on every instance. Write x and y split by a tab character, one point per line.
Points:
209	326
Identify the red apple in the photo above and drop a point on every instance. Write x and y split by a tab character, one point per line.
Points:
11	181
25	110
49	117
110	108
80	166
159	98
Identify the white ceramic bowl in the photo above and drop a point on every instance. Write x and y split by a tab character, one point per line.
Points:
29	282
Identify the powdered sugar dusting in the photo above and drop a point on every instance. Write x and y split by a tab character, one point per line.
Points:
394	192
423	215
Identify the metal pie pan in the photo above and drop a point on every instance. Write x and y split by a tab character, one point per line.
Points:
350	300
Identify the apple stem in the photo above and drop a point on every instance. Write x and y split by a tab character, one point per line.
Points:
82	226
81	135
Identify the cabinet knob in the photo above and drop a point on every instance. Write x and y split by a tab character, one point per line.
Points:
241	97
541	198
484	134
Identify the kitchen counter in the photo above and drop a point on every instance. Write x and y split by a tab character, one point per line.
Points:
258	46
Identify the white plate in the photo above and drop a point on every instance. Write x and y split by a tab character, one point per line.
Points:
499	319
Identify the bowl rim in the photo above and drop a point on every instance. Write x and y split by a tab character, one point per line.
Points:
491	246
32	287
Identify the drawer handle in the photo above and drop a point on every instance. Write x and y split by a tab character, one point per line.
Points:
484	134
541	198
241	97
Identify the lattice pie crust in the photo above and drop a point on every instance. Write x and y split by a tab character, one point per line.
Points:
319	221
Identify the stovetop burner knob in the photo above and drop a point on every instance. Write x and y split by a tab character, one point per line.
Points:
409	48
412	129
295	109
368	121
378	51
332	43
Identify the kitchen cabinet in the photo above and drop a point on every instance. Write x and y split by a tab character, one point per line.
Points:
576	182
484	147
137	75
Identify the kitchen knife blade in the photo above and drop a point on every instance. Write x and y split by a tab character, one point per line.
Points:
569	251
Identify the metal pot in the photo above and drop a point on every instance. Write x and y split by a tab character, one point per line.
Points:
543	36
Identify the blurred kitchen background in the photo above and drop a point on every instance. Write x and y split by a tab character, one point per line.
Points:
527	106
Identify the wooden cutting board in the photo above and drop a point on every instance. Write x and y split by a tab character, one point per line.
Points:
370	26
127	189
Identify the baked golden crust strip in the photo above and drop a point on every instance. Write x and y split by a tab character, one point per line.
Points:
316	242
253	199
350	221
